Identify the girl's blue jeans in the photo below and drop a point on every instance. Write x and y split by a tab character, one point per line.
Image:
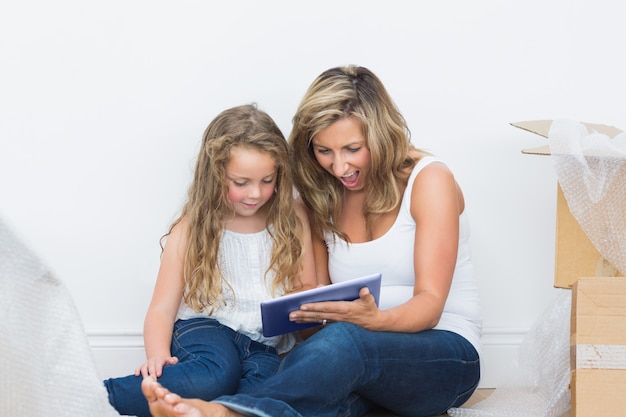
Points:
213	359
343	370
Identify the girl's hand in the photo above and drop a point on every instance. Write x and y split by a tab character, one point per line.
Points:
363	311
154	366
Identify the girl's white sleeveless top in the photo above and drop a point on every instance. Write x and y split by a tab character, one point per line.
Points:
243	260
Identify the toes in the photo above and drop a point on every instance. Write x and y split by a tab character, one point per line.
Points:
148	387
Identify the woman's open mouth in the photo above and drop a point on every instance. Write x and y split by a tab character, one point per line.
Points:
350	180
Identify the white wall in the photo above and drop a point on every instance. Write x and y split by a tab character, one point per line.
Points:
103	104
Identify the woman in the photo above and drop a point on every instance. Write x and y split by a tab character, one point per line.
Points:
377	204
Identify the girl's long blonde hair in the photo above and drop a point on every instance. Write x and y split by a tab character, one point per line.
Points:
206	206
355	92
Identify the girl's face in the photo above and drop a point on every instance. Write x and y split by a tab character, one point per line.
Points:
340	149
251	178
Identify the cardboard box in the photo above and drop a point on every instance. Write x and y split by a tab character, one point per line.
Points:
575	255
598	347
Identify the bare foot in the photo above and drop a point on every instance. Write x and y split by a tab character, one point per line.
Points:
164	403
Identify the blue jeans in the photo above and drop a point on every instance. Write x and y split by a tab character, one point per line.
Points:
343	370
213	359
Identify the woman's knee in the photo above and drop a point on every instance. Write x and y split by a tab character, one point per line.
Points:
334	341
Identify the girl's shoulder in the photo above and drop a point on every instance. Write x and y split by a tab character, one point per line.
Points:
180	226
300	208
179	232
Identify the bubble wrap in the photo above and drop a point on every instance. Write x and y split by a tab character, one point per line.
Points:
538	385
46	365
591	169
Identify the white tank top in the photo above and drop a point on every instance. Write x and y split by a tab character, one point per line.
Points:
392	255
243	260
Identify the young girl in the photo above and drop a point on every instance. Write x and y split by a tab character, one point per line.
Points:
240	239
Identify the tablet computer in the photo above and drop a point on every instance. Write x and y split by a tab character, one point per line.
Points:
275	312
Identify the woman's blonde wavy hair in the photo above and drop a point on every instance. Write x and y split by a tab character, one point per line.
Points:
337	93
207	205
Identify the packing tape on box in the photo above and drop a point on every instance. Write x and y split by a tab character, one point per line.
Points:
590	356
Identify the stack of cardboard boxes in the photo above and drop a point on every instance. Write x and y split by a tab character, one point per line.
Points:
598	315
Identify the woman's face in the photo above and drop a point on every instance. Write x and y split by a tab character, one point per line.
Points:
340	149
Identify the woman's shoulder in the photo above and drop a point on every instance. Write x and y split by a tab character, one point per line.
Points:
426	162
434	180
429	175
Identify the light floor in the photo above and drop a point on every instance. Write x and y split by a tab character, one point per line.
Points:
479	395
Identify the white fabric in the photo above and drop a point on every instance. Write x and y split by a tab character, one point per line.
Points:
392	255
46	365
243	260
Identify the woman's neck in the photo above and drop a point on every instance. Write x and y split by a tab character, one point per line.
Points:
356	226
